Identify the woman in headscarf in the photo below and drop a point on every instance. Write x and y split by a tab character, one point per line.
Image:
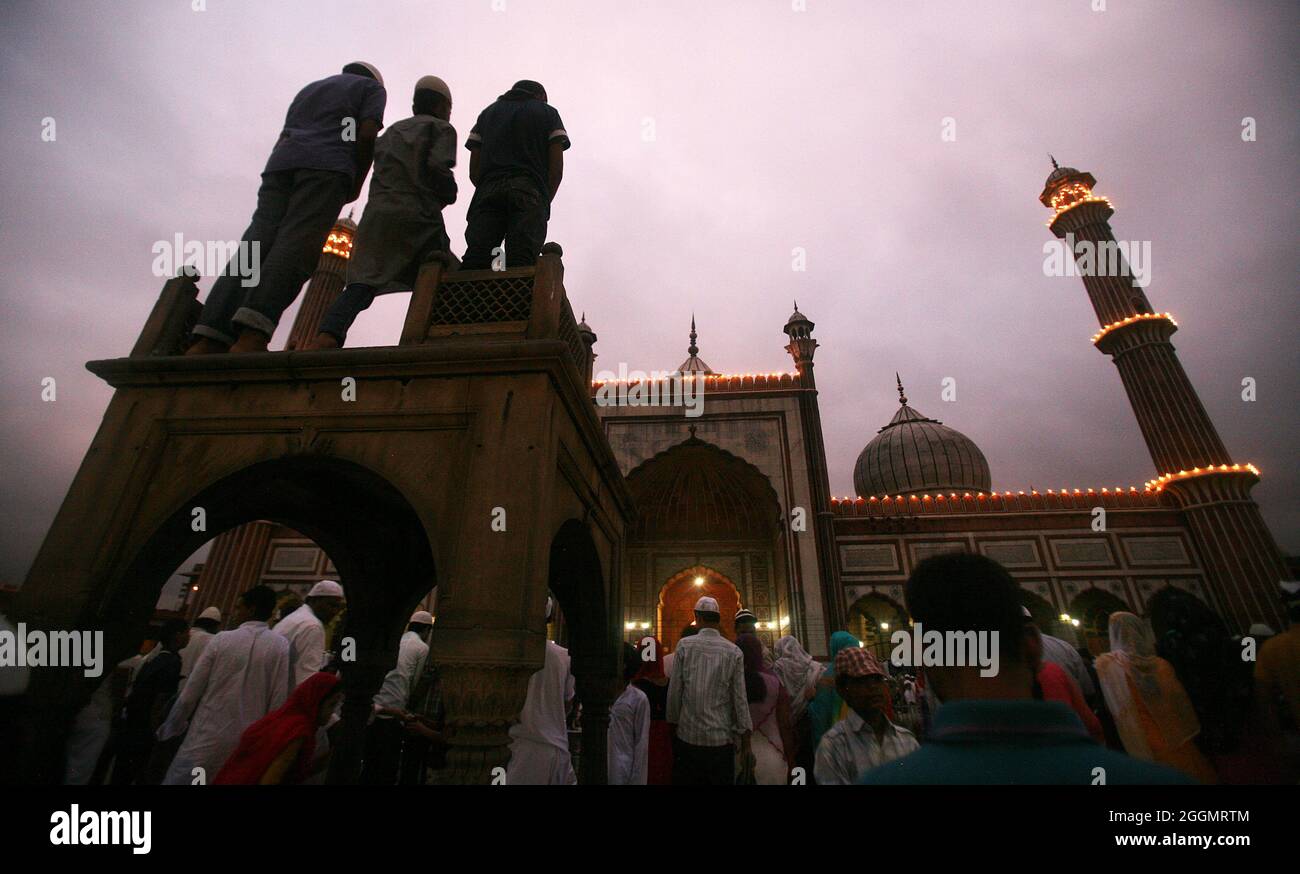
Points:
827	707
1152	712
653	681
279	747
772	743
799	673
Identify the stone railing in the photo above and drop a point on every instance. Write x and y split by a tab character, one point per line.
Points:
527	303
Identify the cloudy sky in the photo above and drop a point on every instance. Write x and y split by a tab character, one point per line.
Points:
710	140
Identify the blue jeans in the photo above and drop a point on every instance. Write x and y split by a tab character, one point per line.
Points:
295	211
345	309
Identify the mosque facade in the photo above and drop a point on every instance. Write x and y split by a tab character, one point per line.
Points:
732	499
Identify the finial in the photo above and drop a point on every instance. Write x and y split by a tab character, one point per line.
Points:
796	306
693	349
902	398
354	209
1055	166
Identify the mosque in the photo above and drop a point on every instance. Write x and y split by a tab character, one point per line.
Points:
735	502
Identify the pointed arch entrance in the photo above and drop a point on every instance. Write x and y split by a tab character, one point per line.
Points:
873	619
703	512
677	602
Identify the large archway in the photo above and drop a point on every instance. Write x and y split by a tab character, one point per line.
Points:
592	635
1092	607
703	512
679	595
873	619
372	534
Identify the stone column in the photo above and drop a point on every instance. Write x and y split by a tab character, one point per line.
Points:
481	700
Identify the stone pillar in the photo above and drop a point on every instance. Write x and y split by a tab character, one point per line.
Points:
595	687
482	700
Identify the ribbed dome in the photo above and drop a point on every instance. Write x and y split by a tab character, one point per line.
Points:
917	455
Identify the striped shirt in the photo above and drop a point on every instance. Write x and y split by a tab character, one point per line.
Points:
706	696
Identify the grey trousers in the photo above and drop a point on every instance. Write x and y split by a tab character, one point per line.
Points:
295	211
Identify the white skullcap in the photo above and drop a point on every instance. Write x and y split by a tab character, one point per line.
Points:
1259	629
1291	588
326	589
211	613
374	71
424	617
706	605
433	83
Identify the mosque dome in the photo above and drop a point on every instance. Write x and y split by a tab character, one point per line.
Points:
916	455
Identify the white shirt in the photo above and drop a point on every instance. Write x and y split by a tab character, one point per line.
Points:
539	742
398	683
628	742
668	664
306	633
849	749
190	654
706	696
242	675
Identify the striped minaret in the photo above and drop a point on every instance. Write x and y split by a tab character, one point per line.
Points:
1193	466
233	566
325	285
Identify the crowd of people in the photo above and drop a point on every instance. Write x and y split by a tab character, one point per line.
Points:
330	139
257	704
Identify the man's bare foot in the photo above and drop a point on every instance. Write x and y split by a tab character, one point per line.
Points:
323	341
250	341
205	346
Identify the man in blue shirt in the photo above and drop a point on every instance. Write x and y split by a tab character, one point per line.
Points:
990	729
516	164
318	164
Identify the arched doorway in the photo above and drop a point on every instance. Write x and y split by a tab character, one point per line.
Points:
371	532
873	619
1092	607
703	512
678	597
592	636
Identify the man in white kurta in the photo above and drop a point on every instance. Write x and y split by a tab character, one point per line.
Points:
383	751
305	628
539	742
242	675
199	638
628	753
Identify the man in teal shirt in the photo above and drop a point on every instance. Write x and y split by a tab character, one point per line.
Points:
991	729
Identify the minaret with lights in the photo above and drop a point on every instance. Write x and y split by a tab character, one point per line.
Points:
802	347
1192	465
326	283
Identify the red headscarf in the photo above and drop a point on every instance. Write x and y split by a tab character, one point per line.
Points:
263	741
651	668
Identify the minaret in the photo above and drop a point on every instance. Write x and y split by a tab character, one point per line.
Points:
693	363
802	347
1192	464
326	283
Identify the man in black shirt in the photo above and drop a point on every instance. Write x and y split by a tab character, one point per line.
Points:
146	704
516	163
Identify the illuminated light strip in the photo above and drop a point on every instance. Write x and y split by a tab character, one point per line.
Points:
1160	482
1130	320
1066	493
693	376
1092	198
